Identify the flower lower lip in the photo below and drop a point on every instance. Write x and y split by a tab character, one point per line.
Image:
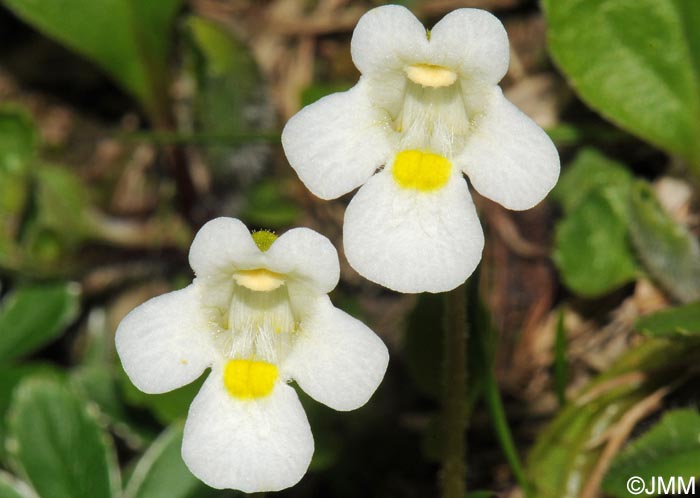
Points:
431	75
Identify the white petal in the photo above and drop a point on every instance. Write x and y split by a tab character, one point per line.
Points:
223	244
251	445
335	144
337	360
164	343
388	38
508	158
412	241
305	255
473	42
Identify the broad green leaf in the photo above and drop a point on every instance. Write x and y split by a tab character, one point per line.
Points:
231	99
161	473
58	445
667	250
33	316
669	450
591	172
567	451
63	205
672	322
61	219
17	139
167	407
636	62
10	377
592	249
98	384
230	86
127	38
11	487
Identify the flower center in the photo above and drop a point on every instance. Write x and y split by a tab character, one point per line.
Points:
260	279
423	171
249	379
431	75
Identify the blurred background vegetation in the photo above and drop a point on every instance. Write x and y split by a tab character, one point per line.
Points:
125	125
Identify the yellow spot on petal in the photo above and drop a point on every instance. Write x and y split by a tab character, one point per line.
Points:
249	379
422	171
260	279
183	361
431	75
263	239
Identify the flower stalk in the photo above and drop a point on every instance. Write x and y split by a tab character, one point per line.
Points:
453	472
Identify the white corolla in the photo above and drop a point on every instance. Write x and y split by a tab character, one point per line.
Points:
426	109
258	315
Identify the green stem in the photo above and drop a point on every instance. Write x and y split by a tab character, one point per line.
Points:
492	396
453	472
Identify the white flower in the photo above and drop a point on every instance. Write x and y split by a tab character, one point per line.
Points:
259	317
426	109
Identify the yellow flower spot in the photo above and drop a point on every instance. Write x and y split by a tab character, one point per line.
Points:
260	279
249	379
422	171
431	75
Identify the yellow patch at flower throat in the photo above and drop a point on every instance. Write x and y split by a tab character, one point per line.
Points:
431	75
422	171
249	379
259	279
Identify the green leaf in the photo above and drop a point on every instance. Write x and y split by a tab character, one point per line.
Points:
161	473
33	316
638	66
591	172
10	377
99	385
62	203
231	100
129	39
669	450
592	249
667	250
567	451
17	140
167	407
672	322
11	487
57	443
